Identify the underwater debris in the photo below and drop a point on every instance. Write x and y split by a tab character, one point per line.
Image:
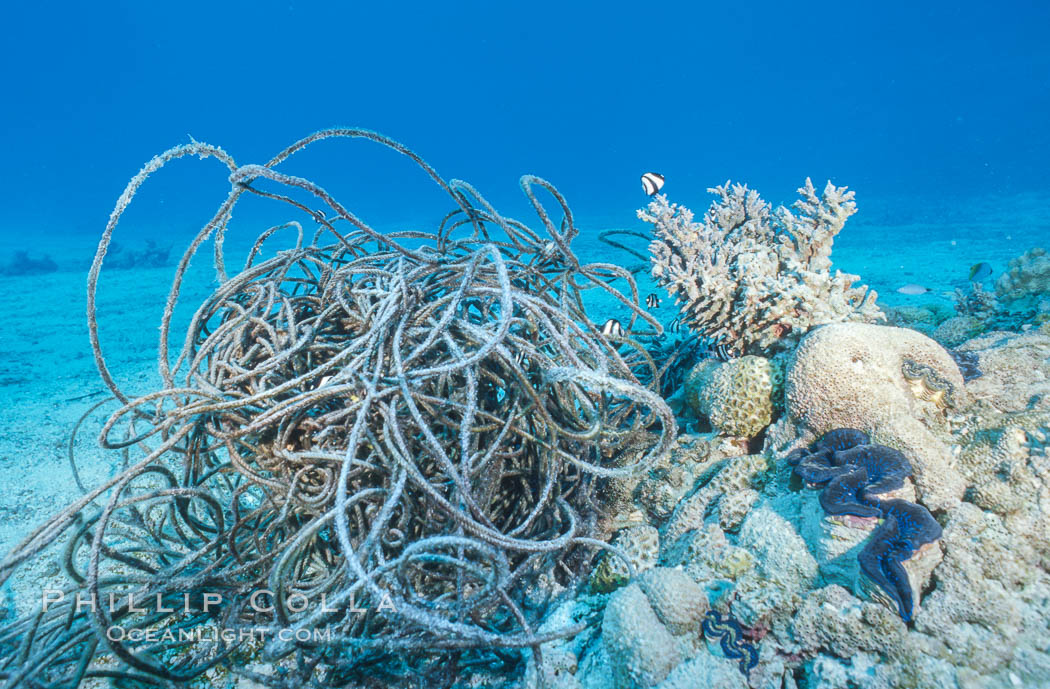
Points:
753	277
410	436
852	473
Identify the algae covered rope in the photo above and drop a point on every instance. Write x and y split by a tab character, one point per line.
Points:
418	435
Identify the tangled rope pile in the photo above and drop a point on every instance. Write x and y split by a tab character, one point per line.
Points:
406	447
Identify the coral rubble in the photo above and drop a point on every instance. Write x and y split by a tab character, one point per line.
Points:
756	278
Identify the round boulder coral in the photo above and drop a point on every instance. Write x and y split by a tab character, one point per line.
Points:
739	397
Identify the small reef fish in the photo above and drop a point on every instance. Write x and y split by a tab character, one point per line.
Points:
652	301
652	182
980	271
720	351
675	326
612	328
912	289
319	216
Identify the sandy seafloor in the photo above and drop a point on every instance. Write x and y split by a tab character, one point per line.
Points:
48	377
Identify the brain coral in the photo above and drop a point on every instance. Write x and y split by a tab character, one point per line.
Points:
850	375
752	276
737	396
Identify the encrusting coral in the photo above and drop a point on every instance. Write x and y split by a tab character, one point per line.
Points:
1021	297
755	278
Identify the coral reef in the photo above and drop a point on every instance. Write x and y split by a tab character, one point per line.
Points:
833	600
1021	298
420	427
752	277
738	397
1024	288
639	547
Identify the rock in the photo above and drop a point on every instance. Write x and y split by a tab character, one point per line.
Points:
639	648
705	670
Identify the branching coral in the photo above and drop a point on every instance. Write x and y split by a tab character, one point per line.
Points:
754	277
409	432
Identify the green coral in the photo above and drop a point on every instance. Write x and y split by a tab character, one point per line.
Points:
739	397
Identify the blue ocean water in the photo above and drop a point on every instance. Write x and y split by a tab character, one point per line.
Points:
919	108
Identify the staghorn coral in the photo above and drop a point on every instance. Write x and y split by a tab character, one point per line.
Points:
739	396
755	278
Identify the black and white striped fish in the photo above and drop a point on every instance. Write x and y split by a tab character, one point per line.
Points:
652	182
652	301
612	328
675	326
319	216
720	351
